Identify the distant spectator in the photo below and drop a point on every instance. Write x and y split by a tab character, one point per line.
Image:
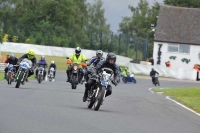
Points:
151	60
5	59
168	64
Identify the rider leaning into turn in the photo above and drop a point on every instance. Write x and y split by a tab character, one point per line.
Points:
108	63
152	74
41	63
11	60
31	56
54	66
77	58
126	72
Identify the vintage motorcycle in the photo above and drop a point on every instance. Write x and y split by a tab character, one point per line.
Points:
40	75
75	73
129	78
11	73
156	81
51	75
22	72
98	91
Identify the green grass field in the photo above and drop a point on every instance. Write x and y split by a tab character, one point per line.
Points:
1	76
188	96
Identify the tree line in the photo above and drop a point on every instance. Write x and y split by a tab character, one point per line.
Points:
71	23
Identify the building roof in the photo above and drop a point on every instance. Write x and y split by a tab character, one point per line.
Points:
178	25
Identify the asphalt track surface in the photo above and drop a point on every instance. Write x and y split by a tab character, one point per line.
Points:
53	107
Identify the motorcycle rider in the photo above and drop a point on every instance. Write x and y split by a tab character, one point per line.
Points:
95	60
54	66
109	63
77	58
42	63
11	60
31	56
152	74
126	72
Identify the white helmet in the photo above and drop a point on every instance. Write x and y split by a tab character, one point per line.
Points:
52	62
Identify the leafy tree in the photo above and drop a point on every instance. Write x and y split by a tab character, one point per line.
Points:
137	29
183	3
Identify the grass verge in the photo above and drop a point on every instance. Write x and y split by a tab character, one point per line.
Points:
190	96
1	76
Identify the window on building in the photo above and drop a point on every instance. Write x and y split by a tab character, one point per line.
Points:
179	48
173	48
183	48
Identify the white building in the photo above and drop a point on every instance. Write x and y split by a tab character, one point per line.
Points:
178	31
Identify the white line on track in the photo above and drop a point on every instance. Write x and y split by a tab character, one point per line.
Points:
168	97
182	105
150	89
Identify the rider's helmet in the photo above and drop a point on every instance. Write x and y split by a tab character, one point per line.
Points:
52	62
111	58
99	53
12	56
152	69
42	57
31	54
78	51
125	68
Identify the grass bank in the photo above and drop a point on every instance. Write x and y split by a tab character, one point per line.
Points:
189	96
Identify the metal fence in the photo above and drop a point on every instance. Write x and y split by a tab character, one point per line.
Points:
130	46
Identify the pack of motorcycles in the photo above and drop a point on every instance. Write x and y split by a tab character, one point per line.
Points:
97	92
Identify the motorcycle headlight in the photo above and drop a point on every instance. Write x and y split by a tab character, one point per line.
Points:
75	67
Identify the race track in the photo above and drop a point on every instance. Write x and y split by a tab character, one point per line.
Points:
53	107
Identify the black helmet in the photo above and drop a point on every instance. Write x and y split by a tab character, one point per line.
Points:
111	56
78	51
99	52
152	69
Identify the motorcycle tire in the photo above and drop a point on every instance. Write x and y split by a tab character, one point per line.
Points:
19	80
9	78
73	82
99	99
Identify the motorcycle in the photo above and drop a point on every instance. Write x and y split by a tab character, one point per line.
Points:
156	82
129	78
51	75
11	73
74	76
40	75
22	72
98	91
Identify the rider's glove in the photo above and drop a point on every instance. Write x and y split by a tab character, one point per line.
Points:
114	82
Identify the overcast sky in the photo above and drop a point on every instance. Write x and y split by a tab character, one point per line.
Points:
116	9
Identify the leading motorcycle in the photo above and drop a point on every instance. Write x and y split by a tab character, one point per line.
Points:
98	91
22	72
